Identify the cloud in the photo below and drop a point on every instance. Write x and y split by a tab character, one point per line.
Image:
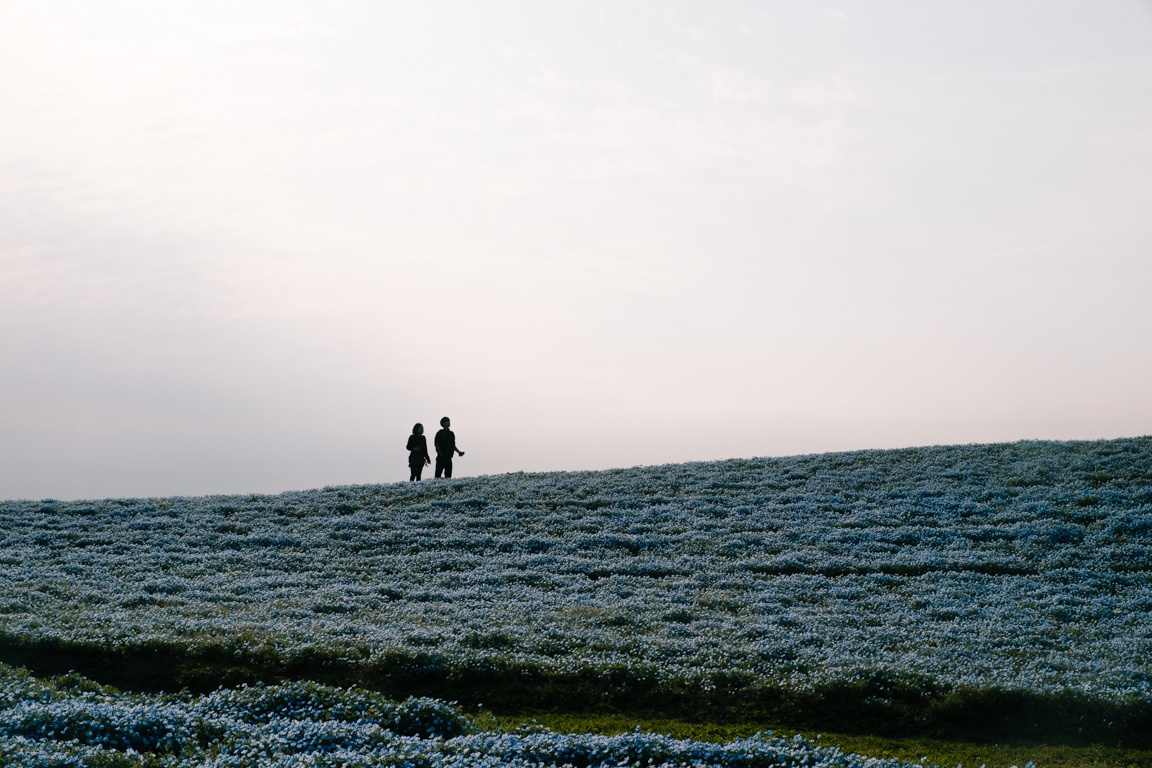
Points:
835	16
735	87
829	92
551	81
689	62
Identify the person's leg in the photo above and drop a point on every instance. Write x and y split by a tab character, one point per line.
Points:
440	467
448	467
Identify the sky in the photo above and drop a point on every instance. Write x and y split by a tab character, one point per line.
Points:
245	245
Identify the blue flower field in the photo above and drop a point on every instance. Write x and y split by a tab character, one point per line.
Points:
986	586
74	722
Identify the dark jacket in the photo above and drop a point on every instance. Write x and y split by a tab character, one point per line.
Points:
445	443
418	445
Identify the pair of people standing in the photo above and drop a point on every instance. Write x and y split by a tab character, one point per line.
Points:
445	443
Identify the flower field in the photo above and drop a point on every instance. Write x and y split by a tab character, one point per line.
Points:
75	722
927	583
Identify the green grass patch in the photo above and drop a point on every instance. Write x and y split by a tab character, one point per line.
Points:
944	753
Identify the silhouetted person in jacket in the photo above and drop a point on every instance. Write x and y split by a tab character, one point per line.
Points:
445	447
418	456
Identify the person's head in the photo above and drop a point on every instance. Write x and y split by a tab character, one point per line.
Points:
418	429
445	422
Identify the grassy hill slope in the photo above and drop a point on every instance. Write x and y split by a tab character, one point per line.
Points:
989	587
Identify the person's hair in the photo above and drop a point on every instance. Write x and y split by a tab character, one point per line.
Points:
445	421
418	428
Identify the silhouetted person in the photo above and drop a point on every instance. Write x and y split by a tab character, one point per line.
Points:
418	456
445	447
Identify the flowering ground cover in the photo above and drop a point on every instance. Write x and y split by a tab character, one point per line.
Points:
75	722
994	585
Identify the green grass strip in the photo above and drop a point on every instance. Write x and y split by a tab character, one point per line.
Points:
943	753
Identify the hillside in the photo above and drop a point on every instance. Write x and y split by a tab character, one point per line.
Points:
986	586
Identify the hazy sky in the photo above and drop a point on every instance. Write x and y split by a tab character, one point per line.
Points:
246	244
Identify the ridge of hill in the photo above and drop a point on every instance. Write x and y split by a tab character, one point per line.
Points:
979	588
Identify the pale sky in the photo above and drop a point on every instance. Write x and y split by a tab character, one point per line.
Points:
246	244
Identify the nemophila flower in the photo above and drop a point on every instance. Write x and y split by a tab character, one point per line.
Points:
306	724
1019	567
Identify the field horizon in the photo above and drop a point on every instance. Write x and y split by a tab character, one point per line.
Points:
995	591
